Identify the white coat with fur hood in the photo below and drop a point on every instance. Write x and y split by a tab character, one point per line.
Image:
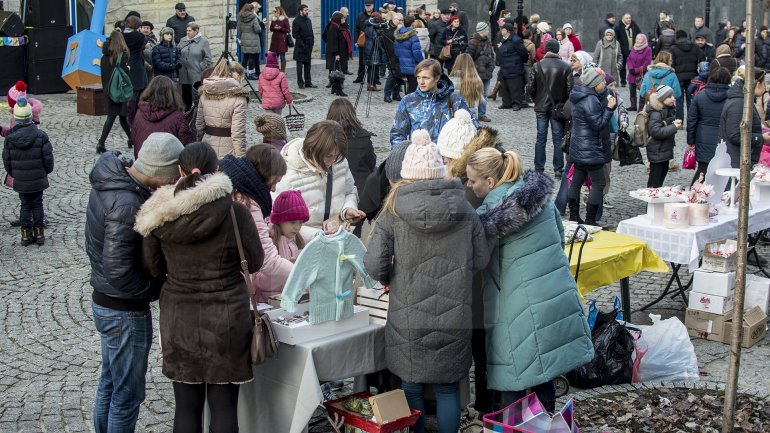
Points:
302	176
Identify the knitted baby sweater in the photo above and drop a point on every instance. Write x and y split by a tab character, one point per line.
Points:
326	267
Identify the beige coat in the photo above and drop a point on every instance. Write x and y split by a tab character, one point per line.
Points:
223	104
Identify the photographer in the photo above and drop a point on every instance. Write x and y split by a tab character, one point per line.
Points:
387	35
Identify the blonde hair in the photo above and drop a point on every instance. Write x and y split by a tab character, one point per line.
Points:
226	68
490	162
389	204
276	234
471	87
417	24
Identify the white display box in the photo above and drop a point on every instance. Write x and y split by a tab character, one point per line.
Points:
757	292
710	303
293	335
714	283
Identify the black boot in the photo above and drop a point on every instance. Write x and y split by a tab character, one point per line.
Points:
26	237
39	235
574	210
130	143
591	210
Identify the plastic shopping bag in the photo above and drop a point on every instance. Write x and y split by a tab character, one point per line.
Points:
612	364
670	355
688	161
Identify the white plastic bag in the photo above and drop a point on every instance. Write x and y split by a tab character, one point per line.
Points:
670	355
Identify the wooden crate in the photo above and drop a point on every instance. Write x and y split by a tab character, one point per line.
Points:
91	100
376	300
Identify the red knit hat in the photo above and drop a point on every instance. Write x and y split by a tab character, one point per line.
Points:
289	206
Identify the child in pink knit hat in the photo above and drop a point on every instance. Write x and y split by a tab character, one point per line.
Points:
19	90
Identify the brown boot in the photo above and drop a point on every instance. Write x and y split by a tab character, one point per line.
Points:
493	95
283	65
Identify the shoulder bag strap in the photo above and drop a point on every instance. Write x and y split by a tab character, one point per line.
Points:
329	185
244	262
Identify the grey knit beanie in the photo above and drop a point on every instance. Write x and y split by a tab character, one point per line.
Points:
591	77
159	156
270	125
663	92
394	162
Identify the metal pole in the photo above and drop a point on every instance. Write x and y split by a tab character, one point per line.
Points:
731	387
520	9
708	12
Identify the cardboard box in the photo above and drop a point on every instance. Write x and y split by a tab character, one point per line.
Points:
355	423
708	326
710	303
754	327
757	292
716	263
293	335
389	406
714	283
377	301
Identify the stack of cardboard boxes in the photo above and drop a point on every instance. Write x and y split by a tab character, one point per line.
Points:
709	313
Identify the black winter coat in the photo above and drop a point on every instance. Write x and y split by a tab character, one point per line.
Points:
589	118
302	31
622	37
686	55
164	60
336	45
28	157
179	25
436	34
549	82
113	247
360	25
666	40
762	48
113	108
361	157
729	126
513	55
703	120
661	129
136	42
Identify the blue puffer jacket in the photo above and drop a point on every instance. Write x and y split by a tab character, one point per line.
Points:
536	328
114	248
589	118
165	57
657	74
512	55
408	50
28	157
703	120
423	110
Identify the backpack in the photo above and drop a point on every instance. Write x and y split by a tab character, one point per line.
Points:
641	135
699	85
651	90
119	89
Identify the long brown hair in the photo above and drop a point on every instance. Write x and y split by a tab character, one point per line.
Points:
323	138
281	11
343	112
246	9
117	46
276	234
471	87
162	93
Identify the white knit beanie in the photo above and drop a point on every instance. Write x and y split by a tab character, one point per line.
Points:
455	134
422	159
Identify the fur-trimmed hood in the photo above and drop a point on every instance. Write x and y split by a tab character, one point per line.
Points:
516	209
485	137
178	214
404	33
221	88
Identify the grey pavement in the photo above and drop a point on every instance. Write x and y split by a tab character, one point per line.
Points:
50	348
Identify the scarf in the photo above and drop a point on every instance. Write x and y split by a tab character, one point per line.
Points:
345	35
247	180
643	45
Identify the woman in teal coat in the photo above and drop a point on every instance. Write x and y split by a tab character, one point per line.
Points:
536	328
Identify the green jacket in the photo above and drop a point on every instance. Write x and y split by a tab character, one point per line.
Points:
536	328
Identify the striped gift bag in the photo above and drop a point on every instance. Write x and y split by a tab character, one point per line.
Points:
527	415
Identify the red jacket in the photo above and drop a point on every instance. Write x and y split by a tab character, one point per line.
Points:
280	29
575	42
168	120
274	89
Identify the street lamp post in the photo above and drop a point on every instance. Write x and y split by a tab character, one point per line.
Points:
520	9
708	12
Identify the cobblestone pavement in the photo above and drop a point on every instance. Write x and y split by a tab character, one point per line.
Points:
50	348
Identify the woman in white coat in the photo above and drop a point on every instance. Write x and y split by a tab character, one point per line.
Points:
318	169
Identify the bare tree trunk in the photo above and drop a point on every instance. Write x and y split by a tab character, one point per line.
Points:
731	388
765	11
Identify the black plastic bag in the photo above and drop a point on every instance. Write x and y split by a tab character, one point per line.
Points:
612	364
627	152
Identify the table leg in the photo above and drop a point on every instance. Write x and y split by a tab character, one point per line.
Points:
625	297
681	289
675	267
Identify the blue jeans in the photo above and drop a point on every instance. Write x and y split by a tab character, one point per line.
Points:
483	101
126	338
392	85
447	405
557	132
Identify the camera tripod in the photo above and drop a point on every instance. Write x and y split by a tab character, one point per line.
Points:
226	55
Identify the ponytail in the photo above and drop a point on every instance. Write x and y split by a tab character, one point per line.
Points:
501	166
197	160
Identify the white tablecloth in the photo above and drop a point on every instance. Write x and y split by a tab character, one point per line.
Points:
684	246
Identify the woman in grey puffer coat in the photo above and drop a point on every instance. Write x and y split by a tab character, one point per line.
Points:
195	53
426	244
249	32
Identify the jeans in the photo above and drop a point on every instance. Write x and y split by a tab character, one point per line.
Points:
392	85
126	338
545	392
223	404
303	68
483	101
447	405
251	61
557	132
31	213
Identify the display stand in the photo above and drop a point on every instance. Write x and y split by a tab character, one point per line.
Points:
655	206
734	174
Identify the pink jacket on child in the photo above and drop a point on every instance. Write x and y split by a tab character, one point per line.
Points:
274	89
275	268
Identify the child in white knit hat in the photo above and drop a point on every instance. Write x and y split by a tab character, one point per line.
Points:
426	244
455	135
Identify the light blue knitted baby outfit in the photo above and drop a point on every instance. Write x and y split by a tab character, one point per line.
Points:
326	267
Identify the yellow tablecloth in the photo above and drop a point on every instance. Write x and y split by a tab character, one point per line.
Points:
611	257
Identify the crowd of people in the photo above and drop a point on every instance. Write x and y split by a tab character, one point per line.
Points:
197	181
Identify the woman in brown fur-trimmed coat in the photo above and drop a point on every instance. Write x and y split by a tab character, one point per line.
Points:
221	117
